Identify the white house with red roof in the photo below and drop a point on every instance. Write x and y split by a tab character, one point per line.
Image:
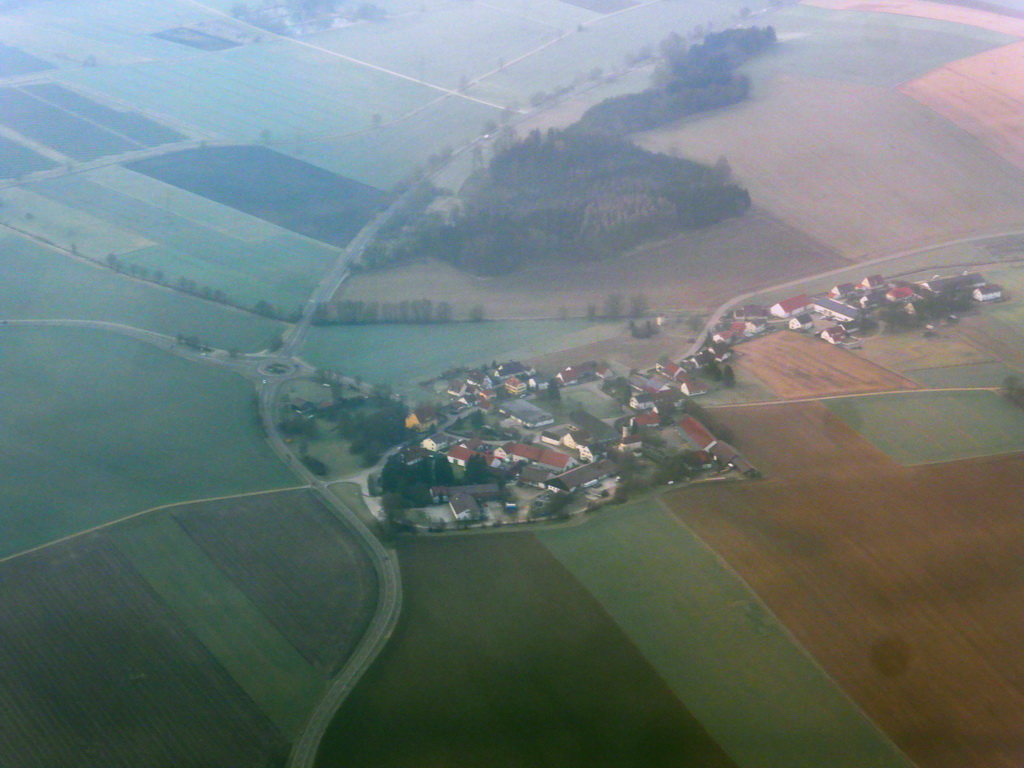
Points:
900	293
697	433
792	306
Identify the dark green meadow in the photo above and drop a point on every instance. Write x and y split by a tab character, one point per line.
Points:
502	659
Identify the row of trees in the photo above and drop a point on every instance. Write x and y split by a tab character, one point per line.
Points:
406	486
352	312
690	79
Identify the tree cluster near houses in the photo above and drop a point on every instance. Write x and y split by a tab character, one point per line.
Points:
565	196
688	80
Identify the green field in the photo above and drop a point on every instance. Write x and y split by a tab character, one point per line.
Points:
97	426
241	639
500	660
980	375
724	655
42	284
281	268
404	355
925	427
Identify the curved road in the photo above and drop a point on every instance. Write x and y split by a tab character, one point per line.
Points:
385	563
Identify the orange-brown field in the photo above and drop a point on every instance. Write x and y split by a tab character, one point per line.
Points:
904	583
926	10
793	365
982	94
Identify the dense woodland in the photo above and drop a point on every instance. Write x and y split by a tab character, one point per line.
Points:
688	80
566	196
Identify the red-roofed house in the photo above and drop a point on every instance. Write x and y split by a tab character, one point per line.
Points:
515	386
631	443
460	454
900	293
646	419
790	307
536	454
697	433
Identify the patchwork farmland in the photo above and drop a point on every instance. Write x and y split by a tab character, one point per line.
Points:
501	656
793	366
136	688
166	656
903	582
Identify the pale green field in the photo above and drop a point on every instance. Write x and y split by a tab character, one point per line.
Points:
351	495
281	87
283	684
41	284
404	355
1010	311
97	426
726	657
114	31
980	375
596	403
280	267
449	43
925	427
193	208
64	226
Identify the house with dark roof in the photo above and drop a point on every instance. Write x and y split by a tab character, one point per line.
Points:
801	322
583	477
841	290
836	334
954	283
836	310
421	418
597	431
987	292
871	281
535	476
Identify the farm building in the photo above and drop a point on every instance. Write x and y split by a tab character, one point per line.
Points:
801	322
834	335
554	436
987	292
535	454
730	457
792	306
485	492
583	477
837	310
697	433
513	368
583	372
526	413
597	431
536	476
460	454
954	283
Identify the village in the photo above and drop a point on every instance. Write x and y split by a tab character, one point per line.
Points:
508	444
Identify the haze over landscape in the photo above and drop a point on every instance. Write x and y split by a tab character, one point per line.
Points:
511	383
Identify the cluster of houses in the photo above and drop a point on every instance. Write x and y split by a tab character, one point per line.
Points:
842	307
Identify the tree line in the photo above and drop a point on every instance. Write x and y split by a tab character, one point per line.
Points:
690	79
416	312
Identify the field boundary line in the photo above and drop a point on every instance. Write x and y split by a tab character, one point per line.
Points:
133	515
344	57
819	398
784	628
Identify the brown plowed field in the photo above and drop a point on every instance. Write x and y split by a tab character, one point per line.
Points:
983	95
793	366
905	583
939	11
